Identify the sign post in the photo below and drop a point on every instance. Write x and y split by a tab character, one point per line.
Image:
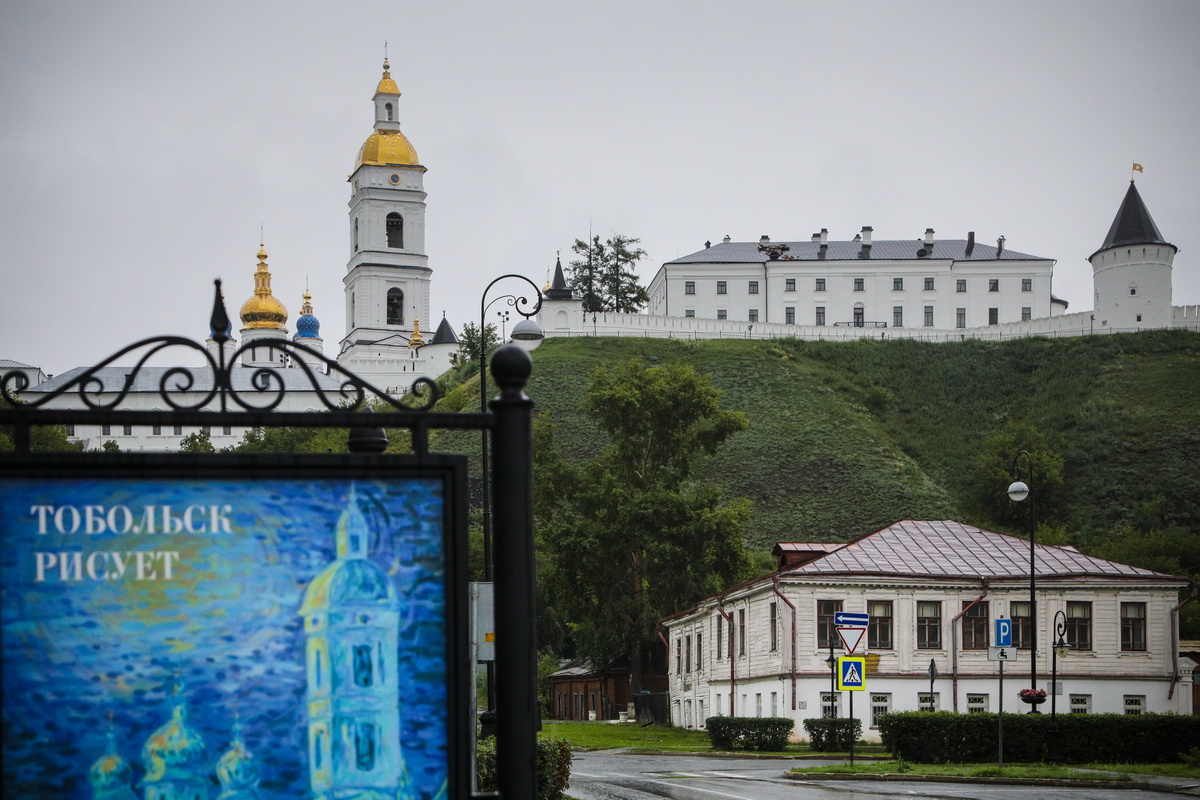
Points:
1004	653
852	677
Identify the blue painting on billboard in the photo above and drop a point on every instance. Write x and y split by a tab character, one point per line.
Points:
224	639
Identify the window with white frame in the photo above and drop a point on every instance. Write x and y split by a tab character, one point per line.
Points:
881	703
721	288
758	704
689	287
960	285
1081	704
960	318
929	625
741	631
754	315
928	316
820	320
690	313
929	701
155	430
773	615
1026	313
993	316
1079	625
789	315
879	626
977	703
753	287
993	284
897	316
1026	284
975	622
897	284
699	650
722	314
826	632
789	284
820	284
127	430
859	284
720	639
829	704
929	284
1135	704
1133	626
687	653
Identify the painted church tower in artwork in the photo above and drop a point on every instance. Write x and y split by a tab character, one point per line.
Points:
351	615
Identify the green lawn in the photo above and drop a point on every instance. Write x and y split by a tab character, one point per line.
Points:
606	736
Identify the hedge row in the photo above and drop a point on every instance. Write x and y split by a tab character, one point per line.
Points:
832	735
554	766
749	733
945	737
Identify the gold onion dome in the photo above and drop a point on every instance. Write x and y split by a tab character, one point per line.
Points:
263	310
386	147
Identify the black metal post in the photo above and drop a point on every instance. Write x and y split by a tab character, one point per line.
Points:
1032	573
1054	751
516	624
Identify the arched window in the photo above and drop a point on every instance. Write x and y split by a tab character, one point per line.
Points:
356	235
395	307
388	108
362	665
395	230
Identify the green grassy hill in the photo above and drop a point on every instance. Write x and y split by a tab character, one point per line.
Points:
847	437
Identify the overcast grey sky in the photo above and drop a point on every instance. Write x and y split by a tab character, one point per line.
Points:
143	143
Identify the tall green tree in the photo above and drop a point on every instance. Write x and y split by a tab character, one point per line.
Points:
633	535
468	343
603	274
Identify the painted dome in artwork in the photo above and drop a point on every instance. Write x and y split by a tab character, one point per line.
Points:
175	750
237	769
352	580
111	775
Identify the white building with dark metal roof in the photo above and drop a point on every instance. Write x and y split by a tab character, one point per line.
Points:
932	591
922	288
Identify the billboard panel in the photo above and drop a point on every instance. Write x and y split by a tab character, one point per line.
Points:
280	633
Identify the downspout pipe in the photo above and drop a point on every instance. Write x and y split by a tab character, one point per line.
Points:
732	661
775	586
1175	643
954	646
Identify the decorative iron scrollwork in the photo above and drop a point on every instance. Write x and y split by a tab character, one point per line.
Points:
216	386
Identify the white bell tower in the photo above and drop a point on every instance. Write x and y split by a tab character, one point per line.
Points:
388	275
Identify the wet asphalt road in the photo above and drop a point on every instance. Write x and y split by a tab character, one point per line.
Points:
611	775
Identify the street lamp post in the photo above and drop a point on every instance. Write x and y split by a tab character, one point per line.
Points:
1018	491
526	334
1061	648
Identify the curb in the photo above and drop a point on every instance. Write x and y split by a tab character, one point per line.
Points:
1058	782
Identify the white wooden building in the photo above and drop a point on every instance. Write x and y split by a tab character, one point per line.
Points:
932	590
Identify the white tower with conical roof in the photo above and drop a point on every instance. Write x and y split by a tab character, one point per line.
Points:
1132	270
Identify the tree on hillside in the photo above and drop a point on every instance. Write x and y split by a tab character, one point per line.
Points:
603	274
633	535
468	343
994	474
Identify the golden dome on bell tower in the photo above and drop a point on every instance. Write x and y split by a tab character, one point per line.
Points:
262	310
387	146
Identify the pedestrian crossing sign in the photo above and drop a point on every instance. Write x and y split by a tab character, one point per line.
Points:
851	673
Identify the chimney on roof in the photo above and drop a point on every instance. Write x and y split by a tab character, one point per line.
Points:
1000	245
858	237
970	242
929	238
764	239
864	251
707	245
816	237
726	239
824	236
